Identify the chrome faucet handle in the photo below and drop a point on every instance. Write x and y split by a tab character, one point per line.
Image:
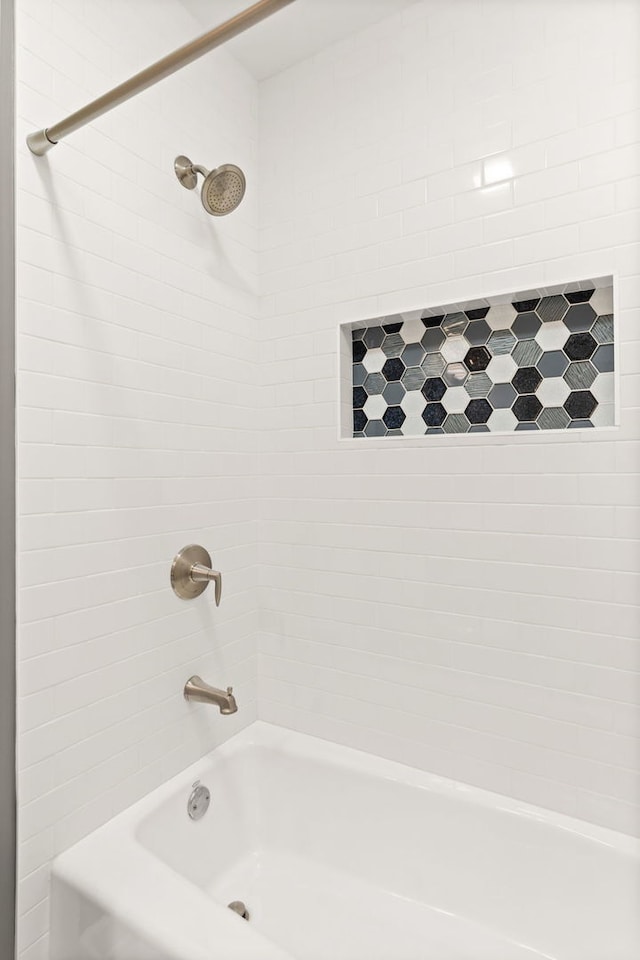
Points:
201	574
191	573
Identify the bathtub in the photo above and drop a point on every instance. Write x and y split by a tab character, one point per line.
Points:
339	855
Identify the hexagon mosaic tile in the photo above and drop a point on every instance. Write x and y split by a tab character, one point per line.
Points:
540	363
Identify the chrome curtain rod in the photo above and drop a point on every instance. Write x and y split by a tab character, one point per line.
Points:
42	140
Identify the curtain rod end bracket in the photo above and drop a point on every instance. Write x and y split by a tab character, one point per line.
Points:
39	143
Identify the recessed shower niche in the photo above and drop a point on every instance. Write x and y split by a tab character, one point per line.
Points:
540	360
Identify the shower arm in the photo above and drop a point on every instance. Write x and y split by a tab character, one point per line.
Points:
41	141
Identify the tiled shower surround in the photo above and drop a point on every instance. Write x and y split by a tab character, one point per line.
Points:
469	607
541	363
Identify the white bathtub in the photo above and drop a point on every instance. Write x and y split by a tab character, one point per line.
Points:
342	856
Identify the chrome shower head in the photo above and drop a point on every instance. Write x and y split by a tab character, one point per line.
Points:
222	190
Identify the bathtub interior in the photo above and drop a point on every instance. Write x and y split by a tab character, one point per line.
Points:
332	860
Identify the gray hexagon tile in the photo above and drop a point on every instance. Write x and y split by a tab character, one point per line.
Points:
375	383
394	392
553	363
551	309
433	365
412	355
454	324
543	361
413	378
393	345
580	317
359	374
603	358
526	325
553	418
580	375
501	342
456	423
502	396
455	374
602	329
526	353
477	333
373	337
478	385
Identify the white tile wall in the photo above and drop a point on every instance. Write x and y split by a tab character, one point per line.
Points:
466	605
137	355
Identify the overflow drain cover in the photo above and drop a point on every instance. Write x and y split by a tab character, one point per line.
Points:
239	907
199	800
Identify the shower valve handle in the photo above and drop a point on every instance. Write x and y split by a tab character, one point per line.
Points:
191	573
201	574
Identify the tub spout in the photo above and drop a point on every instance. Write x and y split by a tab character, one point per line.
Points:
198	691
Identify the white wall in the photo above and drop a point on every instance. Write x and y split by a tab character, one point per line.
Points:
467	605
135	369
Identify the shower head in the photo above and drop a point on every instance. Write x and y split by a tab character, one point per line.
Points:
222	190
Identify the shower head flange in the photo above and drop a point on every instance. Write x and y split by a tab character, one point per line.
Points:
185	172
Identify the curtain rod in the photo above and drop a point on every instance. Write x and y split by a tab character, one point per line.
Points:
41	141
